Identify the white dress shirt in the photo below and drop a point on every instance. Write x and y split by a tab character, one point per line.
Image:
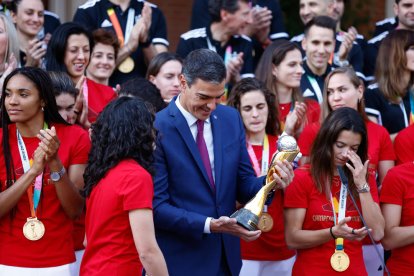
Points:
208	137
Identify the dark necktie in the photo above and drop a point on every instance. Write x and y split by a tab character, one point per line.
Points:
201	144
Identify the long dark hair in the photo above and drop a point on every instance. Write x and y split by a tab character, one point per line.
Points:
56	49
123	130
252	84
390	75
322	158
44	85
274	55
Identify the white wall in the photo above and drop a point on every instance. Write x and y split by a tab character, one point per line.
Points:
389	12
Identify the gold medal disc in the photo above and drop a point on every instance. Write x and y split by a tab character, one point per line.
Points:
340	261
127	65
265	222
33	229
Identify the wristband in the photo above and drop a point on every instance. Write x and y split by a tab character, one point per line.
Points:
330	231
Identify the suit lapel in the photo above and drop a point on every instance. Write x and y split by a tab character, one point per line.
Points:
183	129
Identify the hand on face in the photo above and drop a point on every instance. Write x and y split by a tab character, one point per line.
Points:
359	170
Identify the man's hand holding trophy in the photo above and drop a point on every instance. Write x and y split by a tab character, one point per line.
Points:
249	215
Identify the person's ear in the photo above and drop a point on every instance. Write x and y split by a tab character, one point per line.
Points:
183	83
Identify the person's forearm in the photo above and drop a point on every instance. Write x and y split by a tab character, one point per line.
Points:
68	194
398	236
301	239
126	51
152	50
372	215
10	197
154	262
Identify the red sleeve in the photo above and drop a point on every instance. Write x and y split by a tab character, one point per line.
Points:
313	112
404	145
137	190
296	194
386	148
307	137
81	146
392	191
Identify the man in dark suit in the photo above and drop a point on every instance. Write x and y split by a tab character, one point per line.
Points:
202	169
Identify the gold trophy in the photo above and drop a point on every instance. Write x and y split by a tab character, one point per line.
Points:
248	216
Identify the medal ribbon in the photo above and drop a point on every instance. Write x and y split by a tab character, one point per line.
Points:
117	26
316	88
412	106
341	208
33	195
265	157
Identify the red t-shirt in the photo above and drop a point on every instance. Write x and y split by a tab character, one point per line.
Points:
302	193
398	188
99	96
313	112
379	143
404	145
270	246
55	247
110	245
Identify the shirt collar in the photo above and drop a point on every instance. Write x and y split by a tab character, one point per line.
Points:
190	118
308	71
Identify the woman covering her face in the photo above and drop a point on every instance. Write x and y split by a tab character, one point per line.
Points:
322	222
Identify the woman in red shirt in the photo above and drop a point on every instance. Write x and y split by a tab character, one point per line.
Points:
321	221
41	171
118	186
280	69
69	50
269	253
397	206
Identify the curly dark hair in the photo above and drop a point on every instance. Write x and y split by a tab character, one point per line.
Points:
123	130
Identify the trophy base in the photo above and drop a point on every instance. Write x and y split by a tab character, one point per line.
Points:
246	219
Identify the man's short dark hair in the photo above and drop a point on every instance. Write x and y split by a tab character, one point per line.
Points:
323	22
215	6
204	64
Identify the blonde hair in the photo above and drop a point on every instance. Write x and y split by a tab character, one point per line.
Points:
12	41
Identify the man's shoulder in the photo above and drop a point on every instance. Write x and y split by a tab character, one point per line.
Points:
195	33
92	4
377	39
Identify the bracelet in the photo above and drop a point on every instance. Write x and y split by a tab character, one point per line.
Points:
330	231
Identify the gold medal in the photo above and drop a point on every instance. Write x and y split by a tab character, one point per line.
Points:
33	229
127	65
265	222
340	261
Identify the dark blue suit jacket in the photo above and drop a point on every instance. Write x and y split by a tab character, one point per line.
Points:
184	199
